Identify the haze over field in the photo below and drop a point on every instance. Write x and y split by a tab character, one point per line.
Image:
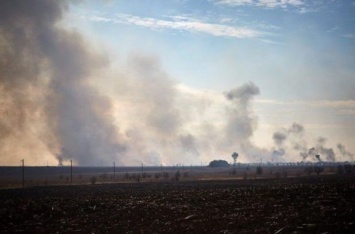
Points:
181	81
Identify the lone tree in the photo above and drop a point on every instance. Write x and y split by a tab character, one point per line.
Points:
235	156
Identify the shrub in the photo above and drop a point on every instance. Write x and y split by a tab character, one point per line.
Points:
259	170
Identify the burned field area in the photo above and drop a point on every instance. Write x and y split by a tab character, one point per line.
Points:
319	204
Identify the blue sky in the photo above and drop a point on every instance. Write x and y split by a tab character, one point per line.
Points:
299	53
299	45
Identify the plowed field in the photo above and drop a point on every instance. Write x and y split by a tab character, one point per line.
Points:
323	204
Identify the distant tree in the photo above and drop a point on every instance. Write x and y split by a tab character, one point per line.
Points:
235	156
259	170
219	163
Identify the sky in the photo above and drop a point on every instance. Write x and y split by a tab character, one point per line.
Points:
189	81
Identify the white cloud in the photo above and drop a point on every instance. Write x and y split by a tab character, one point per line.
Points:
263	3
235	2
279	3
183	24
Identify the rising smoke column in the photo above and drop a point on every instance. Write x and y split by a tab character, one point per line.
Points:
240	121
45	75
155	129
344	153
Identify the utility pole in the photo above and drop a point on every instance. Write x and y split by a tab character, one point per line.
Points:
142	169
114	170
71	171
23	173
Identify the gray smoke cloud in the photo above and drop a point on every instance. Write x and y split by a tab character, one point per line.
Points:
291	141
241	123
157	121
279	138
343	152
288	141
45	77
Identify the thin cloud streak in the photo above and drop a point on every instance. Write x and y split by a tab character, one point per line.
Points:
183	24
263	3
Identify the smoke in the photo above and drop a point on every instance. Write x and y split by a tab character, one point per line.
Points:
292	141
322	150
243	94
279	137
177	124
344	153
47	99
156	122
52	106
241	123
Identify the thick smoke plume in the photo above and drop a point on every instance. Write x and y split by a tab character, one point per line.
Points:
156	129
51	104
241	123
47	100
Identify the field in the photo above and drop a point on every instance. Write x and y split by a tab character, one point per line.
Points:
302	204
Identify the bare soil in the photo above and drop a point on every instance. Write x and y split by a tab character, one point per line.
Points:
315	204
